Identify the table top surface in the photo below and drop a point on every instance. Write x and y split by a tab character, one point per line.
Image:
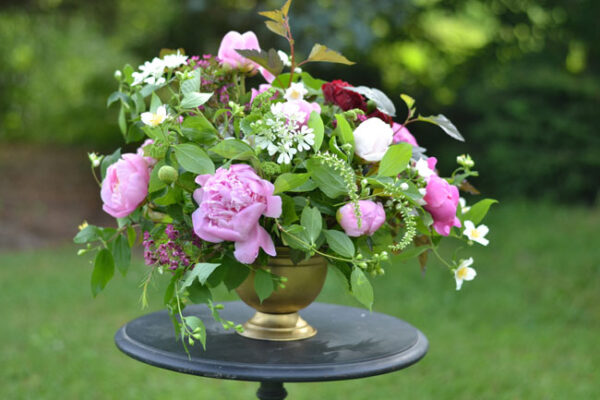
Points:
350	343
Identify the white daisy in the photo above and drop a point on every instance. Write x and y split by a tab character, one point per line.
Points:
296	91
464	272
476	234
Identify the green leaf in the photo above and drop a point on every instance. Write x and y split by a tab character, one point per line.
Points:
361	287
267	59
307	186
288	210
276	27
288	181
410	253
312	222
131	236
327	179
107	161
114	96
192	158
154	102
263	284
121	254
294	236
128	74
310	82
195	99
197	327
340	243
191	85
395	159
104	269
87	234
316	124
233	149
479	210
444	123
199	130
235	274
410	104
200	272
156	184
323	54
343	130
199	293
122	121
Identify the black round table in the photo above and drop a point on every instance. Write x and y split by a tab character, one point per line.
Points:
350	343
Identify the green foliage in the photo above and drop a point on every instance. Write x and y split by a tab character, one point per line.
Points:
104	269
361	287
192	158
340	243
263	284
395	159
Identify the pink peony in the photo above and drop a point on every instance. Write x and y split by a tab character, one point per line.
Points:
442	200
306	107
233	41
125	186
401	134
372	217
140	152
230	204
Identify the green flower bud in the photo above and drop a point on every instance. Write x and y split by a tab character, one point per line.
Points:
167	174
270	168
118	75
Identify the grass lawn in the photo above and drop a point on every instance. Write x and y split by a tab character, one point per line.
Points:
526	328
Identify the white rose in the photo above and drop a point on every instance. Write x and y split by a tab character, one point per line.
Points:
372	138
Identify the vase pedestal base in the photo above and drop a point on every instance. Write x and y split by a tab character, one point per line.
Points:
278	327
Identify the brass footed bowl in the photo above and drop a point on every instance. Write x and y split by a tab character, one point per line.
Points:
277	316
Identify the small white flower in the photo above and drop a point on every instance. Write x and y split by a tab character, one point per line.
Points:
404	186
464	272
95	159
422	192
423	168
476	234
285	59
155	119
372	138
465	160
463	205
174	60
296	91
151	73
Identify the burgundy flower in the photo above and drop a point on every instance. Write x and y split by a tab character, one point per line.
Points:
335	93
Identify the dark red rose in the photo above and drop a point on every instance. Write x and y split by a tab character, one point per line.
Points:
384	117
335	93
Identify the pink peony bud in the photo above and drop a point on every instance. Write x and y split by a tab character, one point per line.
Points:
372	217
125	186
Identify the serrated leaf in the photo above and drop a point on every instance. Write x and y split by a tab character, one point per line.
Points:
395	159
104	269
121	254
361	287
340	243
200	272
383	103
479	210
444	123
320	53
288	181
233	149
312	222
276	27
316	124
263	284
269	60
286	7
192	158
195	99
275	15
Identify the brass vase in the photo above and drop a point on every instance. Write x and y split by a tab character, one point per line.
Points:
277	316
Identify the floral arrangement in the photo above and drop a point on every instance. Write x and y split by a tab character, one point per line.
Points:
224	176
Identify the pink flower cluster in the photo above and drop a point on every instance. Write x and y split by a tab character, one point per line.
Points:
230	204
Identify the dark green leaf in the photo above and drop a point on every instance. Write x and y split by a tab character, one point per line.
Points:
121	254
288	210
295	237
340	243
288	181
200	272
327	179
114	96
235	274
104	269
233	149
199	293
263	284
192	158
361	287
267	59
395	159
312	222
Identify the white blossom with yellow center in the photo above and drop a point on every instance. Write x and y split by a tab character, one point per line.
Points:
296	91
476	234
464	272
463	205
155	119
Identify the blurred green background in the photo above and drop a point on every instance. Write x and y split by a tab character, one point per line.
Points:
519	78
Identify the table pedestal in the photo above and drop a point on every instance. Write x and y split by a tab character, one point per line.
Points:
350	343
